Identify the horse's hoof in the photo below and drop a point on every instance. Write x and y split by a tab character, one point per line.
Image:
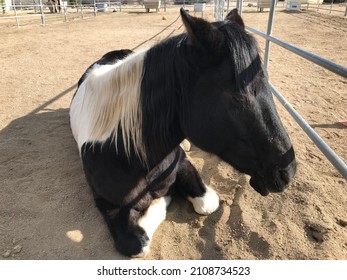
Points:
206	204
143	253
134	244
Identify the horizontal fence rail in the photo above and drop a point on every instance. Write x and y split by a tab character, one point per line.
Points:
326	150
327	64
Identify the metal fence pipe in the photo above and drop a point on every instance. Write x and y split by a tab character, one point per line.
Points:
240	7
269	32
15	13
331	66
326	150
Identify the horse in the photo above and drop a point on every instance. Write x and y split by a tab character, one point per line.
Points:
132	110
54	6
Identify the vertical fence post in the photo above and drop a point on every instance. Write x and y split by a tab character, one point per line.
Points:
269	32
81	9
240	2
64	9
43	19
15	13
219	9
35	6
94	8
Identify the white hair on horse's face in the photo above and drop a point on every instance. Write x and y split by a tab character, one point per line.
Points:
109	98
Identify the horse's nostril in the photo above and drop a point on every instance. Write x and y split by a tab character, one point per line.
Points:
287	174
284	176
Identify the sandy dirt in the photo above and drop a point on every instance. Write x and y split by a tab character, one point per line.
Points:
46	207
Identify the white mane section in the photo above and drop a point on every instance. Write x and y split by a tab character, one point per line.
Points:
112	98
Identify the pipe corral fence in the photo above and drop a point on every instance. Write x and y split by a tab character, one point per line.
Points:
80	8
63	10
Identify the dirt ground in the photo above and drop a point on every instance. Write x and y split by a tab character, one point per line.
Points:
46	207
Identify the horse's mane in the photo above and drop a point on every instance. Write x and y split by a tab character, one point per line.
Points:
111	102
139	96
165	86
171	69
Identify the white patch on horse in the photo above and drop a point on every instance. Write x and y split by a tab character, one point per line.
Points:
206	204
185	145
108	98
153	217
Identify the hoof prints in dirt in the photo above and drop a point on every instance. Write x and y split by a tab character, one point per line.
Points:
316	233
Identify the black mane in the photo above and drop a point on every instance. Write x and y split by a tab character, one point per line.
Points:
167	77
172	68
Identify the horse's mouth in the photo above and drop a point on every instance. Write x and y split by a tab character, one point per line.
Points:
264	187
260	188
274	180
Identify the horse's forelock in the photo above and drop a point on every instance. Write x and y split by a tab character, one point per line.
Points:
243	53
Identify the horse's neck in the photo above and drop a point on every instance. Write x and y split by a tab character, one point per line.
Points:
162	102
157	149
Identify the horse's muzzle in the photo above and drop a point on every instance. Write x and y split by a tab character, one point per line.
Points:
276	179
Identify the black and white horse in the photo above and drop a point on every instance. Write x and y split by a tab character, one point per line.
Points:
132	110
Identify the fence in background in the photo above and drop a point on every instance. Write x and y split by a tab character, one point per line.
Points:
41	11
21	12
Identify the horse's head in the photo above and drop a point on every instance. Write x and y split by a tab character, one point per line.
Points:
231	110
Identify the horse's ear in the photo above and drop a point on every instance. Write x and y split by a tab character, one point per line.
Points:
202	32
234	16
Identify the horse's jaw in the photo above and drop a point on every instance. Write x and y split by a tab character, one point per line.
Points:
260	188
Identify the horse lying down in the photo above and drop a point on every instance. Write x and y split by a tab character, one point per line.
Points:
131	111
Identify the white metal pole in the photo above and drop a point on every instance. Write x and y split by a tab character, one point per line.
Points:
269	32
15	12
326	150
81	9
240	7
64	9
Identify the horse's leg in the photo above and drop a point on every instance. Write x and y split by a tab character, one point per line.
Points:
154	215
189	183
130	239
